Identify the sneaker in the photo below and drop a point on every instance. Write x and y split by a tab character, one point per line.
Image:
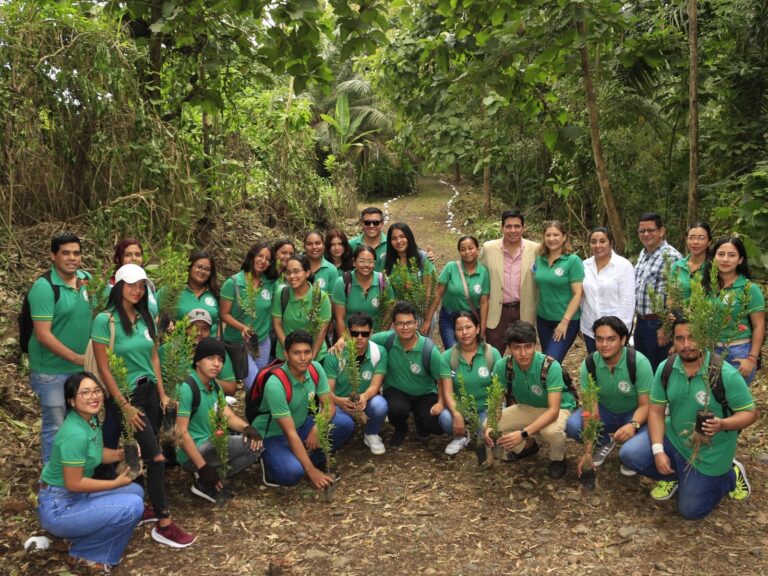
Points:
172	535
743	489
627	471
204	493
525	453
557	468
148	516
373	441
397	439
265	476
602	452
664	489
456	445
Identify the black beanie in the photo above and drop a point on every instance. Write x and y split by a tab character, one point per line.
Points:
209	347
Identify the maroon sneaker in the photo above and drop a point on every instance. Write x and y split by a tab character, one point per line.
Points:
148	516
172	535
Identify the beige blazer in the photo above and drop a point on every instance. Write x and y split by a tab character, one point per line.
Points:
493	259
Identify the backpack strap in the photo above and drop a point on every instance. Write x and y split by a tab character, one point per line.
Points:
237	288
390	341
314	374
509	376
426	356
488	354
466	289
285	381
347	277
192	383
454	360
545	370
716	382
589	364
666	372
285	296
632	364
374	352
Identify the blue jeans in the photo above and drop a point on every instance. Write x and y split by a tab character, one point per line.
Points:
546	330
98	524
376	410
446	422
446	328
590	344
697	493
741	351
611	423
284	468
645	342
256	365
50	391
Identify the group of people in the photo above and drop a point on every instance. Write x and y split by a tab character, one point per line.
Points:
278	328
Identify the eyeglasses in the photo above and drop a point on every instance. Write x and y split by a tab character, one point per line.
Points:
642	231
366	262
90	393
409	324
261	258
701	238
371	223
358	333
201	268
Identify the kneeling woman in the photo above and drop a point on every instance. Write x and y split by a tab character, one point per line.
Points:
129	330
97	516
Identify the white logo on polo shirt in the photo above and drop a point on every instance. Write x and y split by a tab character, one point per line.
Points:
476	288
146	334
701	398
210	301
624	386
266	294
321	282
483	372
415	368
366	375
310	395
375	302
559	271
85	295
536	389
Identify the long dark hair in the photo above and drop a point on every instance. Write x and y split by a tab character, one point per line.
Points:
346	257
742	268
142	309
212	283
72	386
247	265
704	270
413	249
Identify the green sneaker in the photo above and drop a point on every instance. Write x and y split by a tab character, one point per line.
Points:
743	489
664	489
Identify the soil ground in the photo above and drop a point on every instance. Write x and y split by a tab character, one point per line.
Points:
412	511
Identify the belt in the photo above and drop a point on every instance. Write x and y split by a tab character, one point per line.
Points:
511	305
43	485
647	316
734	342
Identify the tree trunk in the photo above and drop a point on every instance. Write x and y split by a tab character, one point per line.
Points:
693	106
155	56
486	181
614	218
456	172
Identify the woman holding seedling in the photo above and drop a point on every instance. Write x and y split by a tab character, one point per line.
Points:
129	330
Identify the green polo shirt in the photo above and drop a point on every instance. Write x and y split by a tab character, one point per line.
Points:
381	249
405	371
70	319
554	283
477	374
417	274
682	275
188	302
135	348
78	444
686	397
739	326
274	404
617	392
199	425
367	370
527	384
295	315
325	276
358	300
478	284
263	321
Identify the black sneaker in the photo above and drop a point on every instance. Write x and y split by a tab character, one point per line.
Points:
397	439
209	494
526	452
557	468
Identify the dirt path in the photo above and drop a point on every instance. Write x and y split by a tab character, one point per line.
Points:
414	511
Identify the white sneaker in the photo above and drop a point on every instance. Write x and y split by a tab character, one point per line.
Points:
373	441
627	471
457	445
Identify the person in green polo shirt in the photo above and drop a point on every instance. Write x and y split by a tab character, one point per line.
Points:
289	432
623	397
303	303
559	274
61	329
201	290
324	273
416	382
372	361
664	451
197	453
542	407
698	237
97	517
371	222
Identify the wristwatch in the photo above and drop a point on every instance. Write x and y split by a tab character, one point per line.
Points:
635	424
524	433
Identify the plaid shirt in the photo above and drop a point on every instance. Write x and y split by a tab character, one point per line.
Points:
649	271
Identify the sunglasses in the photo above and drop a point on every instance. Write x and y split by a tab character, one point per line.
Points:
356	333
372	222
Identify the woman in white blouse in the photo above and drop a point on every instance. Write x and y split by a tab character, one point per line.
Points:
609	285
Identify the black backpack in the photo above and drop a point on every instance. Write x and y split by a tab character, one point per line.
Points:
589	362
192	383
256	395
347	279
26	327
567	381
716	384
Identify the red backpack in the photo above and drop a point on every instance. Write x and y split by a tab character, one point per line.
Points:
256	395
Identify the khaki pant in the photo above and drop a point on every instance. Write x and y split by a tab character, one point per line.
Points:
521	415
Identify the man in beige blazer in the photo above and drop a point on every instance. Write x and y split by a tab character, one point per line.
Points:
513	292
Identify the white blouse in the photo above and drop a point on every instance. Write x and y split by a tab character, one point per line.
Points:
609	292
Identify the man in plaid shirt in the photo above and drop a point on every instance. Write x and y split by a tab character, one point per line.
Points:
650	338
